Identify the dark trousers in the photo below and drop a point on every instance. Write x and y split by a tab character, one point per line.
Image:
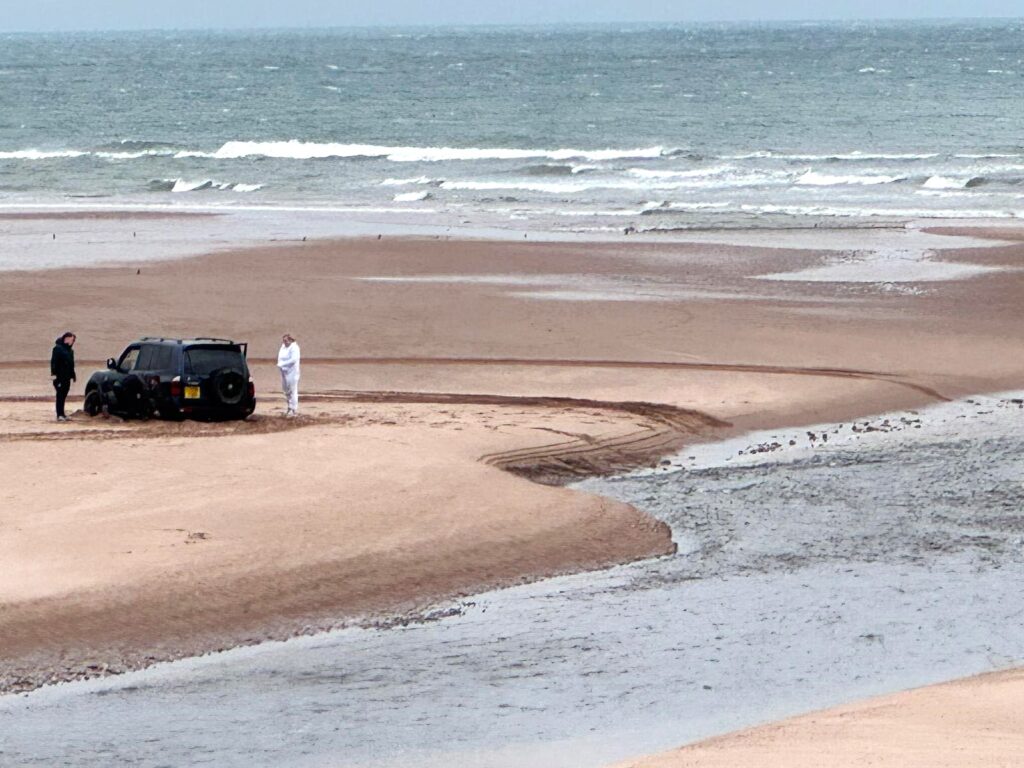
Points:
63	386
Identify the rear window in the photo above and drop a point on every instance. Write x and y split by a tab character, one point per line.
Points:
205	360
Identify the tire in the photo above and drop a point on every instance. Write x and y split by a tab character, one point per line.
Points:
93	404
134	398
228	386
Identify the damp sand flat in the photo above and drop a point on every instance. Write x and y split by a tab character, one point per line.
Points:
807	576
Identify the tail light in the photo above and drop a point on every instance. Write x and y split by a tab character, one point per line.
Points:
252	389
176	389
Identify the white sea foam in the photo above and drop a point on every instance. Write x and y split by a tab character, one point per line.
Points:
866	212
299	150
646	173
945	182
187	185
758	155
857	156
39	154
654	182
813	178
411	197
723	176
854	156
413	180
656	206
134	155
181	185
551	187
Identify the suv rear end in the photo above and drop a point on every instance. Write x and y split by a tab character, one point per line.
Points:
213	381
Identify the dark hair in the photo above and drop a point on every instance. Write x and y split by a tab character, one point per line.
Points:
66	334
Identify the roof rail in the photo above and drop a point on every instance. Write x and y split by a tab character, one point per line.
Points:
194	338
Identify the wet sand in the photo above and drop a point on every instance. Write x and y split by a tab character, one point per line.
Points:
431	366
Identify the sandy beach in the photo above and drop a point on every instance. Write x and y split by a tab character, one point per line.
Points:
452	389
973	722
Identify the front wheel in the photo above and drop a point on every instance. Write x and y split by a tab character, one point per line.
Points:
93	402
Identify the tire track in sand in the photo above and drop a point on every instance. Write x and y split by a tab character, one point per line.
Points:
662	429
777	370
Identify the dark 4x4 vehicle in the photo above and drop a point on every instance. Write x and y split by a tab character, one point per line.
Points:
174	379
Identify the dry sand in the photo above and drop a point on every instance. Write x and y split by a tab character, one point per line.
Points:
126	543
976	722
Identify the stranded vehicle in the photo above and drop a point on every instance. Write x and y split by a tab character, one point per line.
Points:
203	378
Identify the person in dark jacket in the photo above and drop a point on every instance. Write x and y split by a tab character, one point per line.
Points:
62	370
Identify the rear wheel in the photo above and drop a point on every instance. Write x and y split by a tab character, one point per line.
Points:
135	398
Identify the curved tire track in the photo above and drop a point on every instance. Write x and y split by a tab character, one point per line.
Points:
777	370
663	428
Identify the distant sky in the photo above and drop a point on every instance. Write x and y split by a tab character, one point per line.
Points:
44	15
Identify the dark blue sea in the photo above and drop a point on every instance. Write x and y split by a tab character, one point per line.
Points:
578	128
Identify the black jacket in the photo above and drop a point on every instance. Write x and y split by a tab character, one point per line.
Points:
62	361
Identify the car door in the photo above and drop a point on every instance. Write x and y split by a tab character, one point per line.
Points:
129	360
126	363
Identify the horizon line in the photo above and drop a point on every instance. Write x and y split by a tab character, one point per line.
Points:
520	25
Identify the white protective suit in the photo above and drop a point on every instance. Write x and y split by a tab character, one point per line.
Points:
288	363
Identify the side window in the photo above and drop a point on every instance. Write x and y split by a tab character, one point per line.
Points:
154	357
146	358
163	360
128	359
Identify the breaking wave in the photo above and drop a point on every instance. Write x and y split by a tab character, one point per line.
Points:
186	185
299	150
835	157
815	179
124	150
415	180
945	182
41	154
411	197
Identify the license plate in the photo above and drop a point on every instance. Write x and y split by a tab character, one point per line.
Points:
192	393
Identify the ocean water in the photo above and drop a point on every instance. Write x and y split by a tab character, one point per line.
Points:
569	128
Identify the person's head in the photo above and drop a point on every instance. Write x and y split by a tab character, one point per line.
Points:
68	338
287	339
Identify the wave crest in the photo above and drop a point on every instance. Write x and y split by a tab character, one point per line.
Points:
186	185
815	179
300	150
945	182
41	154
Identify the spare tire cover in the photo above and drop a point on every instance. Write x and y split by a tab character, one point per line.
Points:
228	386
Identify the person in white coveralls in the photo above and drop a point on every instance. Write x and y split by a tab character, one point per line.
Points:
288	362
